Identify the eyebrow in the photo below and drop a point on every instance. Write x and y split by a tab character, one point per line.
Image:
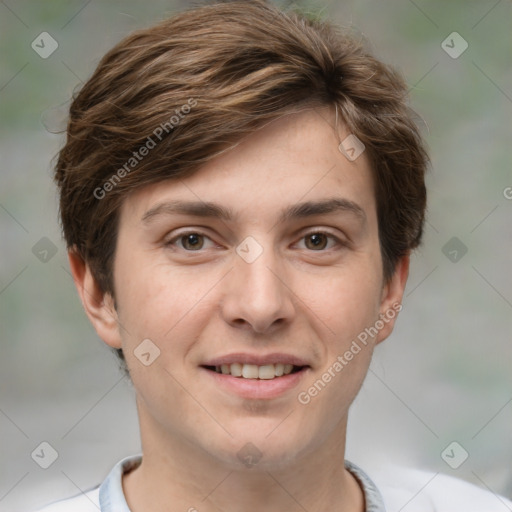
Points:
213	210
312	208
194	208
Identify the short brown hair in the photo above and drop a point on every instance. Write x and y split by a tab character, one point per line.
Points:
222	70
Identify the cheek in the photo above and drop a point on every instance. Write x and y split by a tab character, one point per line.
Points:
346	301
158	303
348	307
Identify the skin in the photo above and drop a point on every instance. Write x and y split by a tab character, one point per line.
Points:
296	297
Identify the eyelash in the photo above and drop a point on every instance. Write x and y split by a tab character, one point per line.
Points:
329	236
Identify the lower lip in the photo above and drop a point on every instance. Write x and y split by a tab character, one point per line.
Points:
258	389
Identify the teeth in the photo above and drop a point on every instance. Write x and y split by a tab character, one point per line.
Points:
250	371
266	372
253	371
236	369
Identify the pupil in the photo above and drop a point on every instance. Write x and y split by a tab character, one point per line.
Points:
193	241
318	240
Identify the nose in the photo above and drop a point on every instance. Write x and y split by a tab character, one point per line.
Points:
257	295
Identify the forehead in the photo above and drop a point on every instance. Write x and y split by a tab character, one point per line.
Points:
291	160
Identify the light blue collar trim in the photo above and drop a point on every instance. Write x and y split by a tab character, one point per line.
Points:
112	497
372	495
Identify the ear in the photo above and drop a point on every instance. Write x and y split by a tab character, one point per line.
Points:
98	305
391	298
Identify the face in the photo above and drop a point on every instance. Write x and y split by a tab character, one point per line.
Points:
265	263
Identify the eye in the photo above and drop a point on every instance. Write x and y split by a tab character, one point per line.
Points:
191	241
319	241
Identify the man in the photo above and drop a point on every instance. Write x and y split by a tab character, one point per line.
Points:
241	189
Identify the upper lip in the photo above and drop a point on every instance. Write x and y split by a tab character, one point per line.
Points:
257	359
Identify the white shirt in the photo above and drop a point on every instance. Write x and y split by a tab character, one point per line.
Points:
400	490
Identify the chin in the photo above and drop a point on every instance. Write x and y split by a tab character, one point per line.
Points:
262	448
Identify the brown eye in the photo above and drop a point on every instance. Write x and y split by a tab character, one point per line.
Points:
316	241
192	241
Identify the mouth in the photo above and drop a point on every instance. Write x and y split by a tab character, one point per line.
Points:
257	376
254	371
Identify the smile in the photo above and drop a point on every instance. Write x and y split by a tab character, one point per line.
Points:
257	376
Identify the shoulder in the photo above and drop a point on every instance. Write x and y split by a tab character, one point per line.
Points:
85	502
413	490
110	492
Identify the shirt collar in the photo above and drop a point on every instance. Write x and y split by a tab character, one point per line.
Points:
112	497
373	498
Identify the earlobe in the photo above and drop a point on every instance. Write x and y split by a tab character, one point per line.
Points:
98	305
391	299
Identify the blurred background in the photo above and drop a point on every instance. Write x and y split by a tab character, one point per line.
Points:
445	374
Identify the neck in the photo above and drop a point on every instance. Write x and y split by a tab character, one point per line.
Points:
178	476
